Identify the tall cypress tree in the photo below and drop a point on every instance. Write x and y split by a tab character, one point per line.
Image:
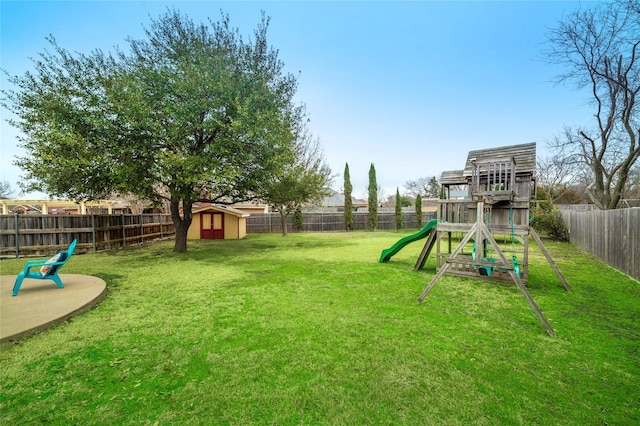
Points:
373	199
399	221
419	210
298	221
348	202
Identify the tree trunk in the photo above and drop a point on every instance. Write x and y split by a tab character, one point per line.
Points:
181	222
283	221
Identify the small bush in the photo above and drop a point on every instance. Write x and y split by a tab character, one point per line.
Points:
550	223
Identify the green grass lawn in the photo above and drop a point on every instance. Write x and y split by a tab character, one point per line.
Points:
310	329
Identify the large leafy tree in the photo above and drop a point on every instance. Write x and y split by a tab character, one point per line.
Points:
192	112
372	222
348	201
302	177
599	48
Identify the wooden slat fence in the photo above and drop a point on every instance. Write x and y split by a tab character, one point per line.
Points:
612	236
329	222
28	235
40	235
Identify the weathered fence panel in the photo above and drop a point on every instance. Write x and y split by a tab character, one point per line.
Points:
27	235
329	222
612	236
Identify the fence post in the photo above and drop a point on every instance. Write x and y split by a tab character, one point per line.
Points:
124	233
17	235
93	232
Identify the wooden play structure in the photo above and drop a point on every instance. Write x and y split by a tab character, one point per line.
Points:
486	234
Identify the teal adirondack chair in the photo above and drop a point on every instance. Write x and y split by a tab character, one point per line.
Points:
50	271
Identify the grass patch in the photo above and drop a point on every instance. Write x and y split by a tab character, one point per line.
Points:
310	329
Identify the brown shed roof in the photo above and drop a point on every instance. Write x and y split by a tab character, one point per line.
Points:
219	208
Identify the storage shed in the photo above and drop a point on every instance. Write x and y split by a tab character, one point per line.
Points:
217	222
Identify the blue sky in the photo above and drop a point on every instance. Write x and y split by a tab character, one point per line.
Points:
409	86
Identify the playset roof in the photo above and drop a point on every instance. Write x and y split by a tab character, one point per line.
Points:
453	177
524	155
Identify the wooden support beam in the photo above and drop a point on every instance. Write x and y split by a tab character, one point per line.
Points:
444	268
538	241
433	282
518	282
532	303
426	250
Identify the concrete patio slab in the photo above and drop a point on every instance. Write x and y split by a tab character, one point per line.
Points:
41	304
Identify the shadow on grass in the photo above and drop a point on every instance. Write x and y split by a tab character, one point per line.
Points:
113	280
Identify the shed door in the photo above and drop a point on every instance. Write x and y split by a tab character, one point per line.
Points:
212	226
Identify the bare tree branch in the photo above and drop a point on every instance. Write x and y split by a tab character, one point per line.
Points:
599	49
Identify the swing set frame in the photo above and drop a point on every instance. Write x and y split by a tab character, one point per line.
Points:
497	205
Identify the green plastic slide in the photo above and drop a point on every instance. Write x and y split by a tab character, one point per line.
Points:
423	233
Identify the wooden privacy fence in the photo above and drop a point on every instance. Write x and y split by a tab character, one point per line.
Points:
39	235
612	236
327	222
26	235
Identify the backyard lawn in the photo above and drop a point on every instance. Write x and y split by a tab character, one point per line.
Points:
310	329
